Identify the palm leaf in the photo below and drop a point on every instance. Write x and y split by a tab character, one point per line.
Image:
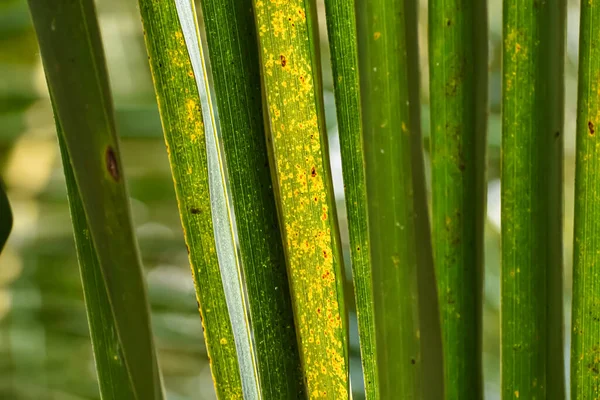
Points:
532	143
406	314
341	26
233	57
186	114
78	84
458	93
113	376
297	142
585	360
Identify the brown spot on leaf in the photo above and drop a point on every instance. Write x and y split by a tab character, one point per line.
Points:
283	60
194	210
111	163
313	172
591	128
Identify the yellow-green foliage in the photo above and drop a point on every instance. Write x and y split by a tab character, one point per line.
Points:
290	70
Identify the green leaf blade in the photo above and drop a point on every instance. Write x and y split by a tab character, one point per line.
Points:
585	323
458	93
113	377
406	314
179	78
290	69
78	84
532	144
343	44
234	61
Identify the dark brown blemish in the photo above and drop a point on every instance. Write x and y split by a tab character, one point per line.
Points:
195	210
313	172
449	22
187	248
591	128
283	60
556	135
413	361
111	163
461	166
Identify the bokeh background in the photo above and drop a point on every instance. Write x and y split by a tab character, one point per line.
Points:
45	351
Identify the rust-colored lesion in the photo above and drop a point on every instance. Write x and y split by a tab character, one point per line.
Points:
112	165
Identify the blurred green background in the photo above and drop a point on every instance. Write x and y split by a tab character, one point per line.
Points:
45	351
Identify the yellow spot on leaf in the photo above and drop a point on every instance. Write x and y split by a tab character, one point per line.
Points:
404	128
